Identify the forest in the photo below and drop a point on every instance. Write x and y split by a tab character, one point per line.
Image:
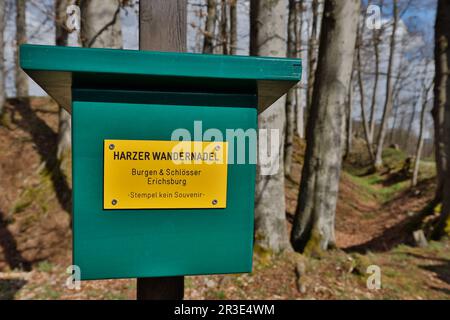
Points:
359	207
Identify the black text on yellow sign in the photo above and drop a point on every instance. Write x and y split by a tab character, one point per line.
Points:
150	174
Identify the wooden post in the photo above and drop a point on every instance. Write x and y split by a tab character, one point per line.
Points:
162	27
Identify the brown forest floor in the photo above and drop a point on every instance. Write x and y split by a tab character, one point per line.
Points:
35	236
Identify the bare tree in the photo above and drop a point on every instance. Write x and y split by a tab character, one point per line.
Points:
61	35
268	38
402	83
359	72
233	26
349	116
312	52
2	56
399	112
409	130
291	96
442	69
408	133
313	227
378	161
441	111
100	24
224	26
210	27
21	37
376	33
426	88
299	117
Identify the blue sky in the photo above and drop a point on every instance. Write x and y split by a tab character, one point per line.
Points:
419	16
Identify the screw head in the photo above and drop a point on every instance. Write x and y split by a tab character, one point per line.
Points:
114	202
214	202
111	146
217	148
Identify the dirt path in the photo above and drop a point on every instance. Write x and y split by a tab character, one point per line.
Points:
362	218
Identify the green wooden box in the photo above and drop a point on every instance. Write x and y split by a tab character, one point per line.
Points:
139	95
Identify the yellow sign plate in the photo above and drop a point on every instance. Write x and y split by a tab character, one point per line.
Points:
148	174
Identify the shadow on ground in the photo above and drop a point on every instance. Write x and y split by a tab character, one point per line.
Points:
46	141
9	287
8	243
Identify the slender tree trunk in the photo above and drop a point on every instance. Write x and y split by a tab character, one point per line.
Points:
101	28
312	54
441	97
224	26
61	34
21	38
441	113
64	134
378	162
394	123
2	56
426	90
349	118
299	118
396	105
373	104
313	227
409	129
210	27
233	26
396	132
291	96
268	38
362	96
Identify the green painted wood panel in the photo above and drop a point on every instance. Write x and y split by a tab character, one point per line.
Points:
153	63
147	243
59	69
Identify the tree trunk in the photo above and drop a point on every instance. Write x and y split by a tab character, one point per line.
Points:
21	38
409	129
268	38
396	133
291	96
441	113
2	56
396	100
313	227
312	54
378	161
349	119
441	97
210	27
299	117
233	26
101	28
373	104
361	96
224	26
425	92
61	34
396	109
